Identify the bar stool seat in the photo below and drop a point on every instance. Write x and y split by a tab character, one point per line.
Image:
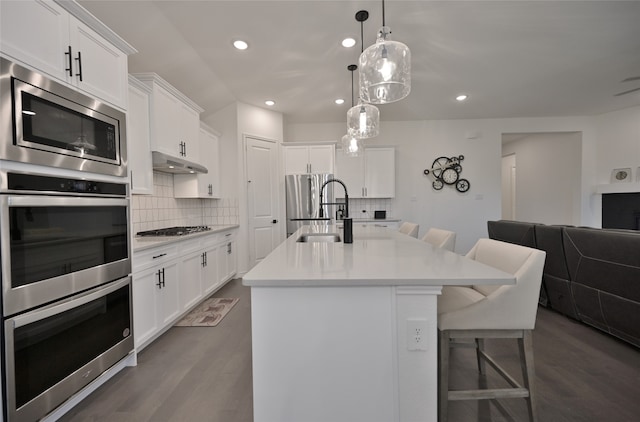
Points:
410	229
440	238
481	311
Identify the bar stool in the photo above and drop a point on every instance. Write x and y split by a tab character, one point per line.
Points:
492	311
440	238
410	229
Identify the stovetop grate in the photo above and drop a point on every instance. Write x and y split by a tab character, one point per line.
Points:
174	231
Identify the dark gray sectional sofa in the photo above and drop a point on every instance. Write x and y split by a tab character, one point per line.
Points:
592	275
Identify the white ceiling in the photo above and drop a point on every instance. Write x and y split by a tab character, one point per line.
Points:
513	58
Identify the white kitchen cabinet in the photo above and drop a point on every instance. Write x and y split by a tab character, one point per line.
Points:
303	159
209	271
140	166
190	279
227	266
67	43
155	300
351	171
145	303
201	185
170	281
380	172
372	174
175	119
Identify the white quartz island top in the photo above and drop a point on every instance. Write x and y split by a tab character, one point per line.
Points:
377	256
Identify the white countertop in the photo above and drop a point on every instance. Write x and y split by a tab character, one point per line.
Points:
147	242
378	256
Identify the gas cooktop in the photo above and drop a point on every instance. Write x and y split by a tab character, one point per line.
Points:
174	231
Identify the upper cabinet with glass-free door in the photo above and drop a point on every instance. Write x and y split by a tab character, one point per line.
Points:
140	167
304	159
67	43
206	185
175	119
372	174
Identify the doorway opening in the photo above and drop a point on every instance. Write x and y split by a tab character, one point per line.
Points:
545	185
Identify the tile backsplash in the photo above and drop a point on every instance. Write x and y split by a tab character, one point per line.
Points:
163	210
364	208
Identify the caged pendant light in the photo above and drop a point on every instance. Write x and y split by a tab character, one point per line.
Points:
363	120
385	69
351	144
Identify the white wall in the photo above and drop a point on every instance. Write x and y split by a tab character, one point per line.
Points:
618	142
226	122
547	177
608	141
419	143
235	122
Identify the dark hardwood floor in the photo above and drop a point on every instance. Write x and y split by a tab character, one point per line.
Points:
204	374
188	374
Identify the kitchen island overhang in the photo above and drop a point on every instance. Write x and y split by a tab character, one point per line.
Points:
333	326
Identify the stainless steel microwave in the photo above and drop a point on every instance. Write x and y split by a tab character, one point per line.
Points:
46	123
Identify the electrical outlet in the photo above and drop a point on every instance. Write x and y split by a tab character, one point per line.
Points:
417	334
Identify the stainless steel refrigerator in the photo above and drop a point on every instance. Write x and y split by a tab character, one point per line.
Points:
303	200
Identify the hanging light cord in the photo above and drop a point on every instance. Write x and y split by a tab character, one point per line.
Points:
361	36
352	89
383	20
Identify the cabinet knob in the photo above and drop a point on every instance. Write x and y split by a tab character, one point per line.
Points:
274	221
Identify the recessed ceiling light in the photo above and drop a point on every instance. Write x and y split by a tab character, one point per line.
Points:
339	101
348	42
270	102
240	45
462	97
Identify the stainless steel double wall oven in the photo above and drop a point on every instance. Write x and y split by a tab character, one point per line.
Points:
64	249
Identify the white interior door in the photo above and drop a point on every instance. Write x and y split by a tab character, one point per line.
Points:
262	201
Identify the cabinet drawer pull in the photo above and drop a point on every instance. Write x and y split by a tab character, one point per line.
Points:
228	234
159	256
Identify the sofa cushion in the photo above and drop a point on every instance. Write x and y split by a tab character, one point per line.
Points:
556	274
517	232
604	267
606	260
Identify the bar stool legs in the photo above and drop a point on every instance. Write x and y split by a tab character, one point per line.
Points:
525	349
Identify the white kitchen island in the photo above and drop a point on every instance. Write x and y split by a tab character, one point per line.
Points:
348	332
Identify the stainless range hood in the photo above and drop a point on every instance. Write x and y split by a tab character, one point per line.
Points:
168	164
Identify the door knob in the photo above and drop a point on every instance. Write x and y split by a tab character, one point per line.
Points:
274	221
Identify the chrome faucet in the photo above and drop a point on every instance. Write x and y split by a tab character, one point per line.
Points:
348	223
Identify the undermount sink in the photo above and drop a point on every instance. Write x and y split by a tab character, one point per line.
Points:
319	237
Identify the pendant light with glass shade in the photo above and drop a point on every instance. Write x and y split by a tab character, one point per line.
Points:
385	69
351	144
363	120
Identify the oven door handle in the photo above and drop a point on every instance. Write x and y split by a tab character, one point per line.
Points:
48	201
70	303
